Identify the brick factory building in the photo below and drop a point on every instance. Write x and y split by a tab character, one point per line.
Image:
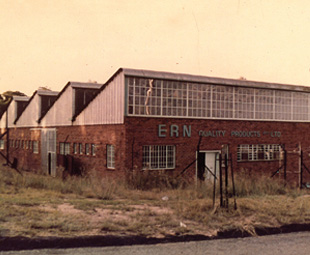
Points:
158	121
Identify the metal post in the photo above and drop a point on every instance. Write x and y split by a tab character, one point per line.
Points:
214	182
132	153
226	182
300	165
233	184
7	138
284	164
221	182
301	169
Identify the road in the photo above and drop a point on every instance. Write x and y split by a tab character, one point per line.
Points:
293	243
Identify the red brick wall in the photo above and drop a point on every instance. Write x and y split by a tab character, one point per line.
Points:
128	140
144	131
100	135
26	159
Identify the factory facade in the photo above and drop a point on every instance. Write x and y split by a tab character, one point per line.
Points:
156	121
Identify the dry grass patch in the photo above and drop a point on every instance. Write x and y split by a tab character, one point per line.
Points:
37	205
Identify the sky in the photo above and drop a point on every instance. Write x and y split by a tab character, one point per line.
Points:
46	43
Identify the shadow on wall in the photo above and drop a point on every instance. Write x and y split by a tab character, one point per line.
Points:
71	165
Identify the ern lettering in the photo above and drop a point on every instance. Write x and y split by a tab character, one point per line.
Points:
174	130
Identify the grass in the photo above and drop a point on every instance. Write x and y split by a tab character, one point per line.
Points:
38	205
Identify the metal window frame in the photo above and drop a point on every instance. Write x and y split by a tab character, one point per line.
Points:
110	156
298	108
35	147
253	150
153	155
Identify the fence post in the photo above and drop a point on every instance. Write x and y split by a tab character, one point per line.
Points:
301	168
233	184
221	182
226	181
284	163
214	182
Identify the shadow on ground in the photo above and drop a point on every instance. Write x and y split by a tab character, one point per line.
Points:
25	243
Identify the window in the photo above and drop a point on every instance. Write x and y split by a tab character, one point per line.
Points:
64	148
93	149
67	148
258	152
22	144
30	145
87	149
27	145
35	147
158	157
75	148
80	148
1	144
110	156
160	97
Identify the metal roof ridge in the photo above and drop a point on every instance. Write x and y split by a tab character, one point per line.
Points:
213	80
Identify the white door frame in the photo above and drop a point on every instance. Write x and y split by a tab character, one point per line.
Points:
205	151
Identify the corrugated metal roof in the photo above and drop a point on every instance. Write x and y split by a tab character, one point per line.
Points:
212	80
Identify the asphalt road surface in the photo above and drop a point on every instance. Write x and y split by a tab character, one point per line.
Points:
293	243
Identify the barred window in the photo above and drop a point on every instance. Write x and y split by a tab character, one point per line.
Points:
158	157
258	152
110	156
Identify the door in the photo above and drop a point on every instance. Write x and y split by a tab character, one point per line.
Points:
212	165
208	165
48	151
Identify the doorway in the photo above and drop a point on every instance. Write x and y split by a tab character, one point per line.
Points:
48	151
208	165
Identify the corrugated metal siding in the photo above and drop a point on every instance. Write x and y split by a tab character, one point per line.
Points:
60	114
31	114
48	149
12	114
3	121
107	107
